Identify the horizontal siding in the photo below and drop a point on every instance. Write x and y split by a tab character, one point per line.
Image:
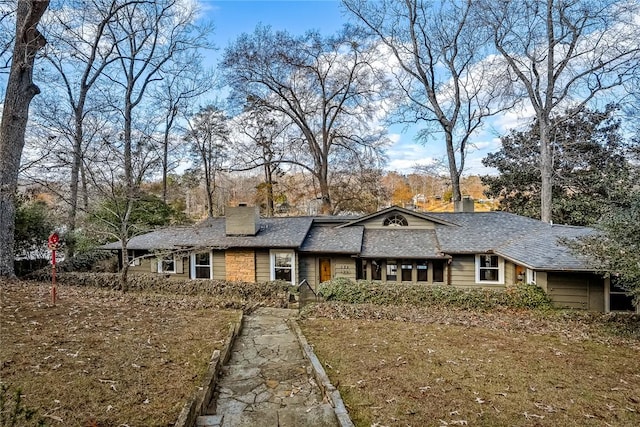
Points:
596	294
307	266
463	272
144	267
509	273
219	266
568	290
343	267
263	266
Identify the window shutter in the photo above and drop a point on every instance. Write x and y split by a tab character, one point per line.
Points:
179	265
154	266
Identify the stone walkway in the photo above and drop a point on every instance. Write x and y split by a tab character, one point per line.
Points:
267	381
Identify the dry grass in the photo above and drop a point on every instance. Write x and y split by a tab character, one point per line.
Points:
101	358
456	371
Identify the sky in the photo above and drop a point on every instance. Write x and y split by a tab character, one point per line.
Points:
231	18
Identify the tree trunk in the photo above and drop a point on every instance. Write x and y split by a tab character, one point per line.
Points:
20	91
453	169
208	185
165	165
125	267
546	173
325	198
85	190
76	164
323	182
268	177
165	151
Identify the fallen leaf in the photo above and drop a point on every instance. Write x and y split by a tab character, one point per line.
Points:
528	416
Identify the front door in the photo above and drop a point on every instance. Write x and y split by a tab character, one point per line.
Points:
325	269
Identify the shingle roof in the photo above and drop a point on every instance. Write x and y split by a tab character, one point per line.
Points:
273	233
481	231
543	249
325	239
400	243
523	240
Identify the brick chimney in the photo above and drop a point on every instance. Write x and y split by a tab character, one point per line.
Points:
241	220
464	205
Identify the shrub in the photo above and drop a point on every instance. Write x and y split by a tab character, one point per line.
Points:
86	261
528	296
232	294
519	296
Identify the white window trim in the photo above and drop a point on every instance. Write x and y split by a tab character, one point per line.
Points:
388	264
500	280
192	266
272	263
530	276
175	264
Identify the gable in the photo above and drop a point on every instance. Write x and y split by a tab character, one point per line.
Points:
396	217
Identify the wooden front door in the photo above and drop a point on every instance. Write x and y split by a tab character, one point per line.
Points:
325	269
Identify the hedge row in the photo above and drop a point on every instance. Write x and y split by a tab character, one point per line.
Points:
519	296
273	293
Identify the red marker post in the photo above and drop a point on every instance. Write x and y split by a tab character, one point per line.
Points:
54	241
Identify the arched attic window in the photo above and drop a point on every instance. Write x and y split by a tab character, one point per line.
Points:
395	220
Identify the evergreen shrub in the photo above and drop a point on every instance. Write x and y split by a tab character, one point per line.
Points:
361	292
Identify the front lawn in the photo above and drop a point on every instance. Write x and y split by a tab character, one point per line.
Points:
103	358
437	366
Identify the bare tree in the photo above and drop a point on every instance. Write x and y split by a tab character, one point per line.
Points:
182	81
566	55
261	144
329	88
15	113
442	68
79	57
208	135
7	17
146	37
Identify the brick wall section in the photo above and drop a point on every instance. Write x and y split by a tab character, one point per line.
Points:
240	265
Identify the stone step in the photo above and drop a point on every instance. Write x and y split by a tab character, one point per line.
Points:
209	421
316	416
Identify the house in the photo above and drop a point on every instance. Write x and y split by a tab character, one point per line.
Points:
464	249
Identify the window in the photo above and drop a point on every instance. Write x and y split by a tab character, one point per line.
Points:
422	268
407	271
361	269
282	266
392	271
619	299
489	269
131	258
167	264
201	266
438	271
376	269
395	220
